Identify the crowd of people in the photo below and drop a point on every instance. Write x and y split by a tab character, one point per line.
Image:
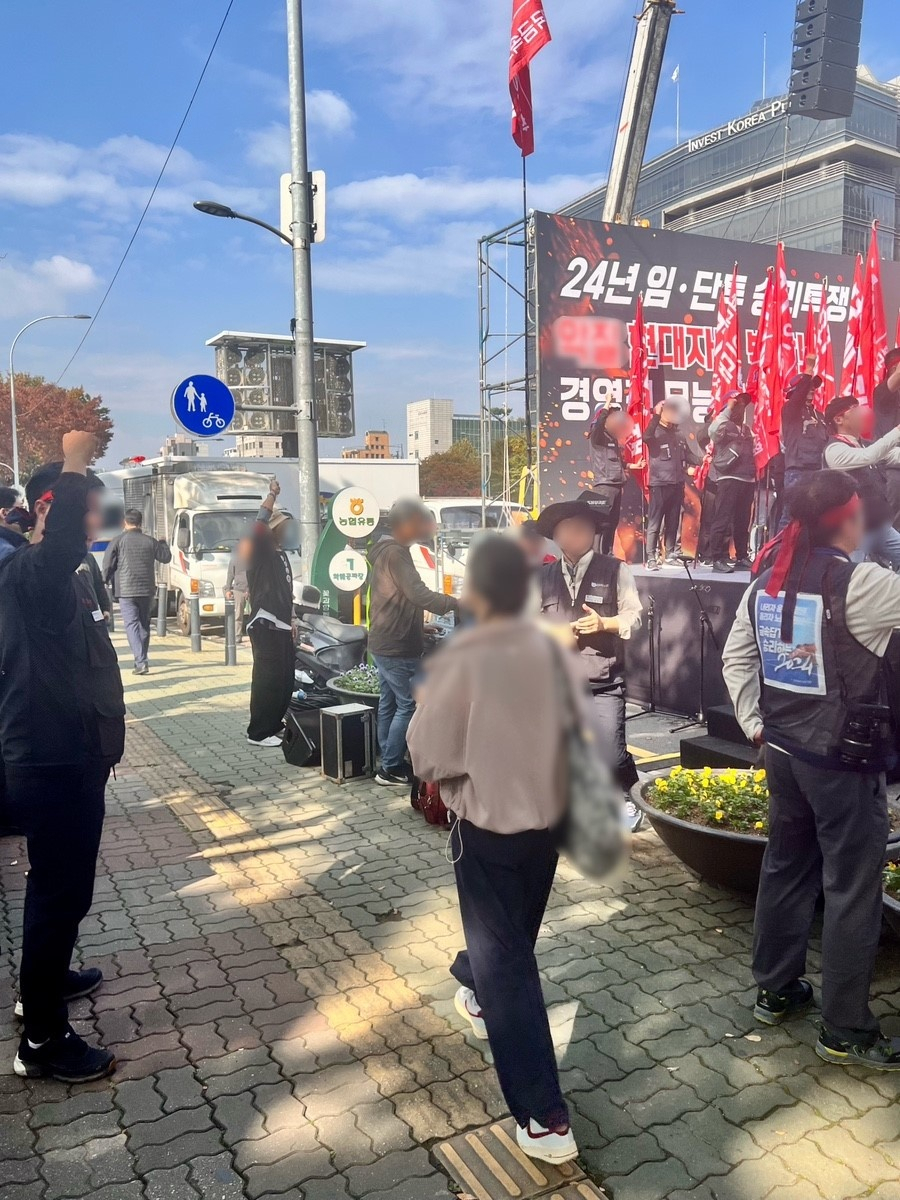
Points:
539	654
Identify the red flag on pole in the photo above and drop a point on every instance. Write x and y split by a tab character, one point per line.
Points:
873	328
726	347
854	328
823	349
640	396
776	362
809	340
530	33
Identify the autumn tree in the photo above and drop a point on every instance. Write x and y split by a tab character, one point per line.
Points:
518	460
44	413
456	472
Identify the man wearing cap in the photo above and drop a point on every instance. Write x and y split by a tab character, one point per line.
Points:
597	596
271	587
668	452
609	429
886	403
398	601
735	465
846	452
803	430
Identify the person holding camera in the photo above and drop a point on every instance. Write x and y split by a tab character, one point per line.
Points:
735	467
804	667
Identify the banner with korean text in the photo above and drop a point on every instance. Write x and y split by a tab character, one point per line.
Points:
589	278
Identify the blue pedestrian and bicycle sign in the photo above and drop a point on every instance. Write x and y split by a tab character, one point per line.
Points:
203	406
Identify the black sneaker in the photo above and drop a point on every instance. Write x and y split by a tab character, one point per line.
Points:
743	564
723	566
652	564
772	1008
389	779
78	984
66	1057
882	1054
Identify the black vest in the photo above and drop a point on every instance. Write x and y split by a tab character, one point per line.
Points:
602	654
871	484
808	687
805	442
607	462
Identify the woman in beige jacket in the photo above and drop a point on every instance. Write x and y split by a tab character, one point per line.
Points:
490	730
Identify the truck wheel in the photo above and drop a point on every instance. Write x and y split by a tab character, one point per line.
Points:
183	615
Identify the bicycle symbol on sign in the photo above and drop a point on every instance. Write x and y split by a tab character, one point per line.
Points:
213	419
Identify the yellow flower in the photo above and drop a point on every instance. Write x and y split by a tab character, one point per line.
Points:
729	777
707	771
676	771
662	786
720	816
758	776
758	825
706	783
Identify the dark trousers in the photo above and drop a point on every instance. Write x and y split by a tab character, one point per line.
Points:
607	717
272	681
707	512
734	508
826	829
61	810
504	881
792	476
893	490
610	499
135	612
664	517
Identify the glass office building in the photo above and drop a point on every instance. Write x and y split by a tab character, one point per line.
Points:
838	177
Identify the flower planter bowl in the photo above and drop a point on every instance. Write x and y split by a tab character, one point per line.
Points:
892	912
719	856
348	696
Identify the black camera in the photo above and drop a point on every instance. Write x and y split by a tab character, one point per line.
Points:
866	737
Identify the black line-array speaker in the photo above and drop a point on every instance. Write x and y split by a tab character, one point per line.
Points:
826	54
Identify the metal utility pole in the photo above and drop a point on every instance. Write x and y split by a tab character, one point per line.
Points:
637	109
301	230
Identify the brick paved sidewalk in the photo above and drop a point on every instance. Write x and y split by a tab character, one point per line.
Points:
276	952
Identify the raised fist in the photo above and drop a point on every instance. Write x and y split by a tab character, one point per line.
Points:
79	447
275	488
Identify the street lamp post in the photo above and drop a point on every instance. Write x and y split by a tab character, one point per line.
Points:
12	380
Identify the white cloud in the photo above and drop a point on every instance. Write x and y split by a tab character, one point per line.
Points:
42	286
442	264
412	198
329	112
270	147
452	54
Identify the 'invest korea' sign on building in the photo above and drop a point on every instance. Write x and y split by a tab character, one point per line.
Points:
761	117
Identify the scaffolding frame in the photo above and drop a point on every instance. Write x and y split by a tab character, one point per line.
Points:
507	349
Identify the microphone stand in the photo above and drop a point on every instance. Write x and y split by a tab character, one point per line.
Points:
645	709
706	630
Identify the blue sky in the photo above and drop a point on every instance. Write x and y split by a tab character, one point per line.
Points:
409	117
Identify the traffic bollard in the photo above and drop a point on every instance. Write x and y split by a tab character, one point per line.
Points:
162	607
196	643
230	635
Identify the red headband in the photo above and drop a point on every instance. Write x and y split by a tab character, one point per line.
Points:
833	518
788	540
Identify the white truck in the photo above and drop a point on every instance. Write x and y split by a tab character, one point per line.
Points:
202	513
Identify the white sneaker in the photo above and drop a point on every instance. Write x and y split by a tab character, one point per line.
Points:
467	1006
274	740
632	816
541	1143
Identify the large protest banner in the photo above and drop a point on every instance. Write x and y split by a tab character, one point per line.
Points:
589	277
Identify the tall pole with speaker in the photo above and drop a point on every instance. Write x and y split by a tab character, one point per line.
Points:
826	56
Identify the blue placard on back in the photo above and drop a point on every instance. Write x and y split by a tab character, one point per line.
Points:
203	406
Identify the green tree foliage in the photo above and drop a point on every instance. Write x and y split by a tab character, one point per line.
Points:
456	472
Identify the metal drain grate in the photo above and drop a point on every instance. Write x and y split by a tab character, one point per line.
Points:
488	1165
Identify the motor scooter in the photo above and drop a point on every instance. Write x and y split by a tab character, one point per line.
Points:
325	646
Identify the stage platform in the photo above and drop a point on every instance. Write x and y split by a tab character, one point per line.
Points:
672	624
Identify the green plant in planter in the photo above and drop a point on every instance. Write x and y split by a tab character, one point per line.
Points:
733	799
361	679
892	880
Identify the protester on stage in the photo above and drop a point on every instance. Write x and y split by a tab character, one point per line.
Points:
397	606
270	586
845	452
597	596
802	662
670	460
129	565
707	486
489	727
804	431
886	403
236	586
62	729
12	519
609	430
735	466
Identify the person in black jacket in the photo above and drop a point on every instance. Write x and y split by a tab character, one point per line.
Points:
130	566
669	454
397	605
735	466
886	403
803	431
271	586
62	729
610	470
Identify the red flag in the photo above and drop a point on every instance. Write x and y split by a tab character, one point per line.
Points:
809	340
824	352
873	327
776	362
726	347
897	334
530	33
854	328
640	395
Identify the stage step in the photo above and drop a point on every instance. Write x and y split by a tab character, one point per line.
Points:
722	723
716	752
